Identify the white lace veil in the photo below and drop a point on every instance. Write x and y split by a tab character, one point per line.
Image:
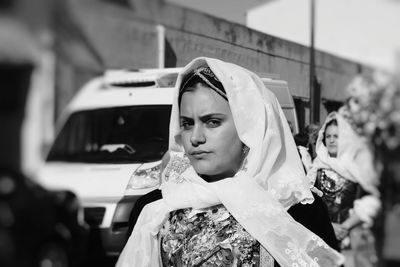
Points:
354	160
258	195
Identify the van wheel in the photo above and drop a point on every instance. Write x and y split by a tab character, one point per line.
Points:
53	255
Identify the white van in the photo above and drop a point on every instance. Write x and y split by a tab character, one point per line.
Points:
281	90
110	141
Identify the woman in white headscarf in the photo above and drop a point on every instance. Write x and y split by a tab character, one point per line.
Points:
233	172
345	173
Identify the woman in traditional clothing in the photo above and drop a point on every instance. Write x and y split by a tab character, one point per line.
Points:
345	173
233	172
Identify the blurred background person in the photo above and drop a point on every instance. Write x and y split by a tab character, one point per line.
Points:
312	131
301	140
344	172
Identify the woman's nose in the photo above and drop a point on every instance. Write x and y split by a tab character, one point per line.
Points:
197	136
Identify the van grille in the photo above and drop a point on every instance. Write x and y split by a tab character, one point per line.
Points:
94	216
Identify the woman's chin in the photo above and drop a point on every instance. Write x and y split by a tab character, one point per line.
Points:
206	172
332	154
203	169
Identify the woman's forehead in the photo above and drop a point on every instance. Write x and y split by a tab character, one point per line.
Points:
203	100
331	128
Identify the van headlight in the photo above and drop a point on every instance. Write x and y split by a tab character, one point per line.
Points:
81	218
145	178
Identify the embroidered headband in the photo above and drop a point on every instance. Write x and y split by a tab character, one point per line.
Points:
205	75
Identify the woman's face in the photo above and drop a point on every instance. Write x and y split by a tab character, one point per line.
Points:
208	133
331	140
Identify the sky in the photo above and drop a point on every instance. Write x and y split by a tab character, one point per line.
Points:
232	10
366	31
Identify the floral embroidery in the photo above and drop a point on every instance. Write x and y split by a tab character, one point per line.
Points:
258	208
207	237
175	167
296	256
295	253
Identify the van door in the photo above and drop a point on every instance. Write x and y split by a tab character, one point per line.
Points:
281	90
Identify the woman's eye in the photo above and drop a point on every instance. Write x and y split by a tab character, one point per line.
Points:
185	125
213	123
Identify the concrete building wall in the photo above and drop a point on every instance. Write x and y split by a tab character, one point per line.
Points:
95	35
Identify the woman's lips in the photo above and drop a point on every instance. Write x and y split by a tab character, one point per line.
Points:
199	154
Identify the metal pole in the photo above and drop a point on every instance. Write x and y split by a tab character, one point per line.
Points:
312	63
161	46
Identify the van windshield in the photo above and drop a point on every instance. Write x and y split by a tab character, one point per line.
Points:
132	134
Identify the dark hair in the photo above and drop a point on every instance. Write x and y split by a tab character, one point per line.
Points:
301	139
189	86
6	4
312	128
204	76
330	123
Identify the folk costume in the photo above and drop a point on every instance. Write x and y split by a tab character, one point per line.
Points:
238	220
349	183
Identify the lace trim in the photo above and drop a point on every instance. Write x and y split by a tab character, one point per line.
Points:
175	167
266	260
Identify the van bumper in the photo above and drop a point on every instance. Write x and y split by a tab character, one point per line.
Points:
111	240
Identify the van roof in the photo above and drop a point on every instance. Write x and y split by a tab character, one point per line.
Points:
281	90
147	86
